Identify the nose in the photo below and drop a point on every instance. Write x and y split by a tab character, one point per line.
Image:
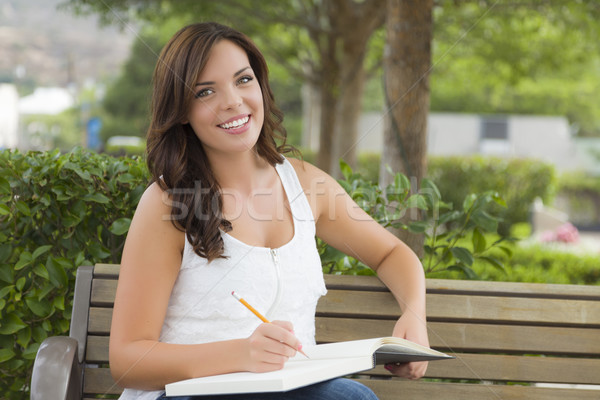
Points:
232	98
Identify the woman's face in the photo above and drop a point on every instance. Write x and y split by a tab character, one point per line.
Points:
227	112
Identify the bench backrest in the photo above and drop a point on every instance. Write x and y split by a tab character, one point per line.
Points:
499	332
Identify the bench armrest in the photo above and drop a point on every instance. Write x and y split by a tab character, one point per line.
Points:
57	373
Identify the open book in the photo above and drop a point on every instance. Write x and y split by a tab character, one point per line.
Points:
326	361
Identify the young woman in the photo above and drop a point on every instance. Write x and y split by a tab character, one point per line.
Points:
227	211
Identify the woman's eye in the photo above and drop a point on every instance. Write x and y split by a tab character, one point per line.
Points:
203	93
245	79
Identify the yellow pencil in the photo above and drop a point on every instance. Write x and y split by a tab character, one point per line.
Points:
259	315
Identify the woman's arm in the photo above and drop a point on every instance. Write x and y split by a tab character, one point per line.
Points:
341	223
149	268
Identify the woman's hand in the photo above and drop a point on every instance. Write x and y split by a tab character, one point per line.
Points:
412	328
270	346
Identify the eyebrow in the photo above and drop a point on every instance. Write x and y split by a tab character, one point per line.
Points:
212	82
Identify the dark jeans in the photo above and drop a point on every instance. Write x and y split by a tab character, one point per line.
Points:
335	389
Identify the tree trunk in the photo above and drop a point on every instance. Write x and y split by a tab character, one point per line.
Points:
342	41
329	94
407	64
352	72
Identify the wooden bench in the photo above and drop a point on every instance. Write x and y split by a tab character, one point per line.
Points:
508	339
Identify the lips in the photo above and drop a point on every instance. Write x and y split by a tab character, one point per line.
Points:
236	125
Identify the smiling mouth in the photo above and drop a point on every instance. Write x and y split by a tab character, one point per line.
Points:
235	124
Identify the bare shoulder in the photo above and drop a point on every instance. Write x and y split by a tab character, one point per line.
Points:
307	172
152	228
319	187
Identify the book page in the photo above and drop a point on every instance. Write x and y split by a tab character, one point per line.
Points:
350	349
368	347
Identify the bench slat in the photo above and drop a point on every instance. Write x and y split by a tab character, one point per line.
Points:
110	271
441	307
103	292
99	381
96	351
468	308
459	337
484	288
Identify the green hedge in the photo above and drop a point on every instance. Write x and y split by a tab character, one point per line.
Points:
528	261
581	191
519	181
57	212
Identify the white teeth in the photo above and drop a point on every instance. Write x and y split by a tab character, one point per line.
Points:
236	123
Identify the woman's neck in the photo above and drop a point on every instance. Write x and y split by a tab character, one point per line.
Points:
242	171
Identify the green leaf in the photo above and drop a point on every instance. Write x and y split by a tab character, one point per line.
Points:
478	240
418	226
77	169
6	273
10	324
5	290
401	182
56	271
4	186
5	250
97	251
59	302
462	254
469	201
449	216
416	200
468	272
498	199
20	283
41	271
346	169
485	221
4	209
39	308
39	334
25	259
97	197
126	178
23	208
120	226
494	262
6	354
41	250
24	336
506	250
31	351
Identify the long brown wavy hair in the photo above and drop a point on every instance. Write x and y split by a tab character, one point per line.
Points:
175	156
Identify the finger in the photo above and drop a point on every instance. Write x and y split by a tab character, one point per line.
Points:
284	334
287	325
413	370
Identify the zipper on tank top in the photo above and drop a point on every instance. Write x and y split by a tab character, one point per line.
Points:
276	301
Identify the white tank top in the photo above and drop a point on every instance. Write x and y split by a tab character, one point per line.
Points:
283	284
